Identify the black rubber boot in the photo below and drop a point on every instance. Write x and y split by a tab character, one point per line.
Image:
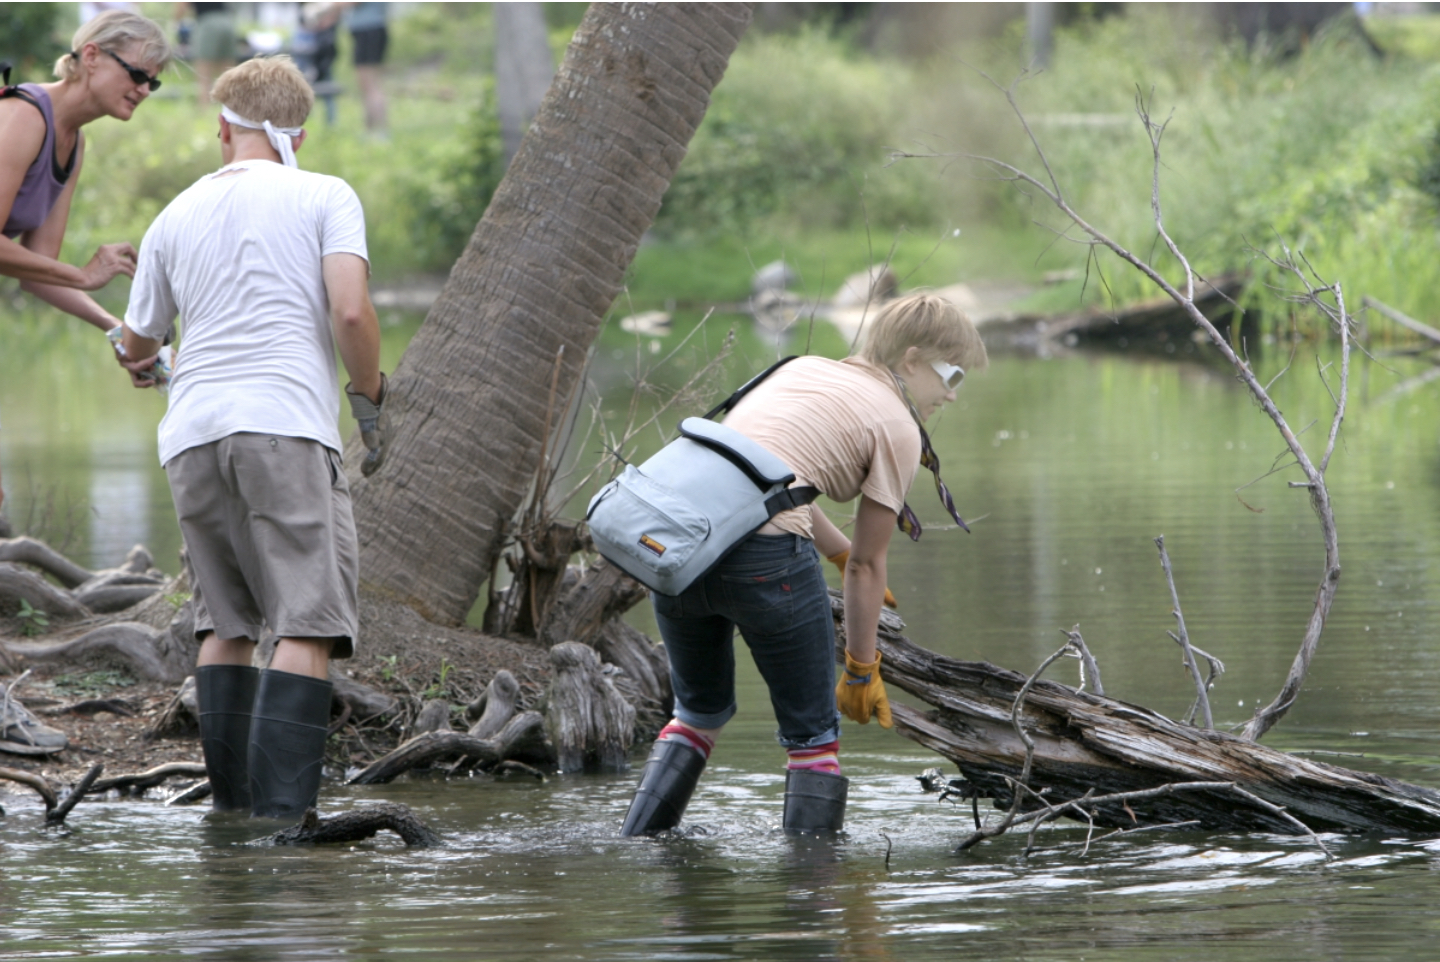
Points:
227	695
670	776
815	801
287	743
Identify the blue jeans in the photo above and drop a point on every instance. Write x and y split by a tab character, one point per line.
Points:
771	588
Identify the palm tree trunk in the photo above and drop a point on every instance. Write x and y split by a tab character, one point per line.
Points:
468	401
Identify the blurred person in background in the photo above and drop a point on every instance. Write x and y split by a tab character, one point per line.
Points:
367	25
113	65
212	43
316	50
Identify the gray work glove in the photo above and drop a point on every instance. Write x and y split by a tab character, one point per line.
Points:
367	413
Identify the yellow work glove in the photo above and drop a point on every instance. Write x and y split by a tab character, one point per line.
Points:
861	693
839	561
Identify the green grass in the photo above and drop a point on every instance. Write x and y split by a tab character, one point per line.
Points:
1328	150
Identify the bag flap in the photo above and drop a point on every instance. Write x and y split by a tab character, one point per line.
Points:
762	467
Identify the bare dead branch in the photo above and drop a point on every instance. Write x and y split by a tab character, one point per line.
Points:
1202	697
1088	665
1404	320
1313	293
139	781
357	825
56	816
44	788
1020	786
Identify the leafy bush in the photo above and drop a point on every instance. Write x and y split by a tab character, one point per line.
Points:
445	207
1324	150
30	38
799	128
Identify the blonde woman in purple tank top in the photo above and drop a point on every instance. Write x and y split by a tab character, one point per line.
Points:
111	69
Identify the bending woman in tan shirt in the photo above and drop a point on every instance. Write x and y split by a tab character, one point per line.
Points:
850	428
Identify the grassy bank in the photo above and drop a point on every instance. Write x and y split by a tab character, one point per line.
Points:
1334	150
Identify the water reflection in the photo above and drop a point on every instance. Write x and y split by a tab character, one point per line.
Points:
120	508
1076	464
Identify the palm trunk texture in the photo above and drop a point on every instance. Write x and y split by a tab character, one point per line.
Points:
468	400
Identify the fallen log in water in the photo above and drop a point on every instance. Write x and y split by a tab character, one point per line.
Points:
1089	743
357	825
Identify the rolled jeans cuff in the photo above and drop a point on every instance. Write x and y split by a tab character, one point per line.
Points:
824	738
697	720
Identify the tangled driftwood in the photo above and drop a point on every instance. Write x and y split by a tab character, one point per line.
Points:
1086	744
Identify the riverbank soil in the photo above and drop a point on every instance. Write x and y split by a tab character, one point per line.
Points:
399	655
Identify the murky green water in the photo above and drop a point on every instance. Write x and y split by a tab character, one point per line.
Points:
1075	465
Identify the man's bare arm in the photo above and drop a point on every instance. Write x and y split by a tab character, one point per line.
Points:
357	329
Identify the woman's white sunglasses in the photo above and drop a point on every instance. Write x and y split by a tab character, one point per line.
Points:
951	374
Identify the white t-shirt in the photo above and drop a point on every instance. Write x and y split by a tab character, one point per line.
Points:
238	257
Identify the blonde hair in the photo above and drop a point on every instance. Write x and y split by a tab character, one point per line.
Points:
926	321
114	30
266	88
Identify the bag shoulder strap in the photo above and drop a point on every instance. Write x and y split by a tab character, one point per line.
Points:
744	389
7	89
796	497
787	498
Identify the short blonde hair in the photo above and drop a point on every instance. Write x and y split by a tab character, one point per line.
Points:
266	88
114	30
926	321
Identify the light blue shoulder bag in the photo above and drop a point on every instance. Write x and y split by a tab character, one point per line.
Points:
670	520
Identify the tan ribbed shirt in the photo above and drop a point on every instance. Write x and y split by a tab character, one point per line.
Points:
841	426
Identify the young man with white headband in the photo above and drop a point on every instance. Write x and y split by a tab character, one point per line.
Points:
266	264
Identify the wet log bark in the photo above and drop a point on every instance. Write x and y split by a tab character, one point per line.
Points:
358	825
522	739
589	722
1087	742
603	593
644	678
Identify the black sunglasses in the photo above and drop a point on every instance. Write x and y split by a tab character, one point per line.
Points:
137	75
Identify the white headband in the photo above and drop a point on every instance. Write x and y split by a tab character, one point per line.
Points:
279	137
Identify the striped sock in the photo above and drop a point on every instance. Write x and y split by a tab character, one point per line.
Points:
818	758
678	731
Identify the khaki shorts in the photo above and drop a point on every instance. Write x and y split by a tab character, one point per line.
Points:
271	538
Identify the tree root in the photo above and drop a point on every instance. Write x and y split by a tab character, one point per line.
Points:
38	554
22	584
522	738
56	808
138	645
358	825
587	719
47	792
84	592
495	707
136	782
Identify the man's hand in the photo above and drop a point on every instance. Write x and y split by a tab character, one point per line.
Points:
143	371
861	693
367	413
840	559
109	260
